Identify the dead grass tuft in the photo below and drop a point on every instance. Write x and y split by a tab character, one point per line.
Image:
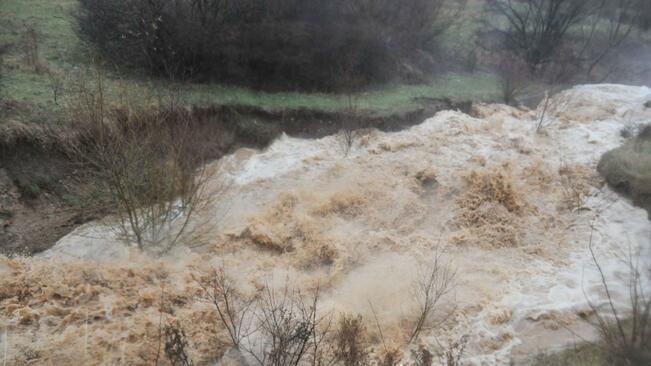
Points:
495	185
345	204
490	208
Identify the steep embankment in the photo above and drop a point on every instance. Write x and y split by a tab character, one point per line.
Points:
511	207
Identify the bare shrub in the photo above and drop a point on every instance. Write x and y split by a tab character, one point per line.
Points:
550	107
625	332
56	82
175	345
350	126
433	283
235	309
350	341
287	327
150	163
422	356
543	120
610	29
453	354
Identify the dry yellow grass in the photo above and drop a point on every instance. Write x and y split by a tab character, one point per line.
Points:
490	208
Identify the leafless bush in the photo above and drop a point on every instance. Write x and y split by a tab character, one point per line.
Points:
175	345
626	333
422	356
550	107
150	162
287	328
350	341
56	82
610	29
453	354
432	284
234	308
350	127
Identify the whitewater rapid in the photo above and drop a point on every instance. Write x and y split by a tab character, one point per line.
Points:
361	224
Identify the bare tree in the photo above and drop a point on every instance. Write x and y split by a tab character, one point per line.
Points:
422	356
287	324
150	161
611	27
453	354
176	345
234	308
536	28
433	283
350	341
350	126
56	84
557	37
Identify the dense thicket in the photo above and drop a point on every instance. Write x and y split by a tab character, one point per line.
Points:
308	44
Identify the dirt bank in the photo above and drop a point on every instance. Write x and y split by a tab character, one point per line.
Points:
44	195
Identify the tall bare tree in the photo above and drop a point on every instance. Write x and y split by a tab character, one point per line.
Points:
536	28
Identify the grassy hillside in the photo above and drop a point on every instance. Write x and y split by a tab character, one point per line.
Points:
64	59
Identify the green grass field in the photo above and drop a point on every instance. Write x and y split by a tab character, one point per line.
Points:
64	55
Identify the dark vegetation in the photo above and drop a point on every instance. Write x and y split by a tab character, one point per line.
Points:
537	28
644	17
280	44
628	168
557	42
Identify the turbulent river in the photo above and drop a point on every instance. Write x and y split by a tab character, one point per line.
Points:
509	206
